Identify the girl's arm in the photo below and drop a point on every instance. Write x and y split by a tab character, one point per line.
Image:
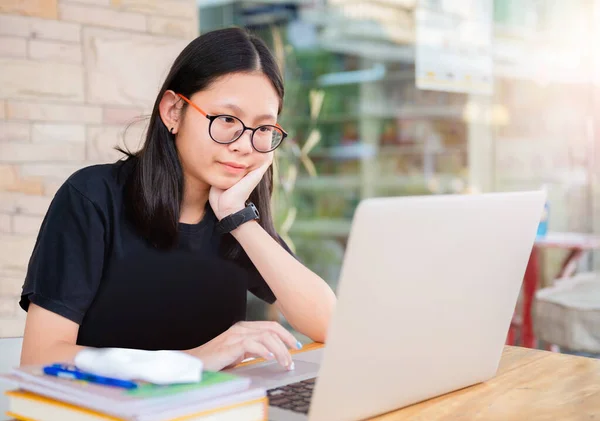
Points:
306	301
48	338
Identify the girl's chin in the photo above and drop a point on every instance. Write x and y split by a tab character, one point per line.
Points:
225	183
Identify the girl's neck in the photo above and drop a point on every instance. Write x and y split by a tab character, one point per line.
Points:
195	197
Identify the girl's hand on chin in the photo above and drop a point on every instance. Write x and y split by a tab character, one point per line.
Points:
232	200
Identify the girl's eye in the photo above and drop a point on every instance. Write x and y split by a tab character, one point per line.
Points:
226	119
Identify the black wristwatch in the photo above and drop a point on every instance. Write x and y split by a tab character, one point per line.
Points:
231	222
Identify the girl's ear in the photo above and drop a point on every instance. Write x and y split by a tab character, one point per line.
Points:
170	110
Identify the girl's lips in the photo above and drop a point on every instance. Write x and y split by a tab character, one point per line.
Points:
233	167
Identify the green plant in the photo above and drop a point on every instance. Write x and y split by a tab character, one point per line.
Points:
293	154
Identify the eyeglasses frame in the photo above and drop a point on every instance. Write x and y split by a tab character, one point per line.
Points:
212	118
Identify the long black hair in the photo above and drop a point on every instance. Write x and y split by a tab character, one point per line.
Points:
154	190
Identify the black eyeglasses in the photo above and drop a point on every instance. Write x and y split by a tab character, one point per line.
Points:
227	129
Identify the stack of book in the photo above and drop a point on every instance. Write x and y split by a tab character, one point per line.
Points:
217	397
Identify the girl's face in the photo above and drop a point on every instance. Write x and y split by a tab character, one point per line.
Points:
248	96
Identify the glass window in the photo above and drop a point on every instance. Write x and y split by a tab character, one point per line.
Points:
360	127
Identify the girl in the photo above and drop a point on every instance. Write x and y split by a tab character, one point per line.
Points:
157	251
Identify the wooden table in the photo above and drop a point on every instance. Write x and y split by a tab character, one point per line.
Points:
531	385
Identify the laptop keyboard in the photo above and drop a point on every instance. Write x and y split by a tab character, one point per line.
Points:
294	397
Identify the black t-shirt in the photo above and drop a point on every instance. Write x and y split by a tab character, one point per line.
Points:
91	266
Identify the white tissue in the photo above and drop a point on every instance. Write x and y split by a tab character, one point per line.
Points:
158	367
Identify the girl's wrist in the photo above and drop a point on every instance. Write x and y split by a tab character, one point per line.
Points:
229	211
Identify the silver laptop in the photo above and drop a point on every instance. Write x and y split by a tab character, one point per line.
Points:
426	295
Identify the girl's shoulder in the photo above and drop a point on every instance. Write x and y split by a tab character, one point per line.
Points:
100	182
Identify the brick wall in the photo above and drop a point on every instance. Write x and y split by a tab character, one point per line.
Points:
73	73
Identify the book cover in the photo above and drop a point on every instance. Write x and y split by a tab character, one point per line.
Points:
123	402
251	405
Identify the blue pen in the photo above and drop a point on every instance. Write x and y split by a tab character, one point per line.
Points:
71	372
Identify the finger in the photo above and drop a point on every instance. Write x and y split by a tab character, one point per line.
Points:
274	344
283	333
243	188
277	329
269	160
213	194
244	350
250	347
253	177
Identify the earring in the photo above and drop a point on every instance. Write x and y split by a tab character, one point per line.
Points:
171	130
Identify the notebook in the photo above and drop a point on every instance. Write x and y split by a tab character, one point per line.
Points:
145	399
249	405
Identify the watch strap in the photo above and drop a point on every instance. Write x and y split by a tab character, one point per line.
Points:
231	222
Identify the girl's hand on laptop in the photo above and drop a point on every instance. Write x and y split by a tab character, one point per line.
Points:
268	340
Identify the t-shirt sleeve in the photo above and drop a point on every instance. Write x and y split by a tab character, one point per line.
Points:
66	264
258	286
